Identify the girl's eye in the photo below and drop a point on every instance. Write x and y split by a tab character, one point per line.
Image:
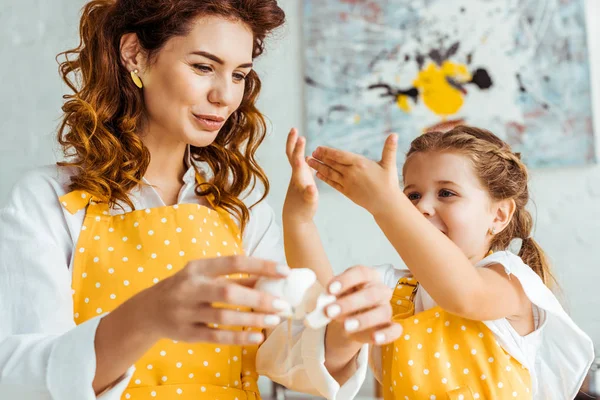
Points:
413	196
445	193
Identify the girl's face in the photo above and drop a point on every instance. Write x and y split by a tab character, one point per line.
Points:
444	188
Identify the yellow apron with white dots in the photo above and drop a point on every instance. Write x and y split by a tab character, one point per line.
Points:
121	255
442	356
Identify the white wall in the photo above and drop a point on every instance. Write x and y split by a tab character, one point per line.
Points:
32	32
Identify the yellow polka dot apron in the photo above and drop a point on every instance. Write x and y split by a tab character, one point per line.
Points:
121	255
442	356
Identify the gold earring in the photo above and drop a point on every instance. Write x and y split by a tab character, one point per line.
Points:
492	231
136	78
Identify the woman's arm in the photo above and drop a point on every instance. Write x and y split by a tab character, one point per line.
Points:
43	354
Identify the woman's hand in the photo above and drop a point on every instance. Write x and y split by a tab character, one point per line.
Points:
362	314
363	310
182	307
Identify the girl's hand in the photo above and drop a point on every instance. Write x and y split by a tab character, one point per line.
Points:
368	183
302	196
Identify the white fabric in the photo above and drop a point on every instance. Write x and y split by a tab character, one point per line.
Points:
274	361
44	355
558	354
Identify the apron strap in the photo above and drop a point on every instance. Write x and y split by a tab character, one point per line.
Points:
406	288
403	298
78	200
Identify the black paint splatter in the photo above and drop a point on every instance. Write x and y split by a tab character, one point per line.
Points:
436	56
520	81
452	50
420	60
482	79
390	91
338	108
310	81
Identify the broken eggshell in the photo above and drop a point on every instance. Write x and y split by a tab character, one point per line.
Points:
304	294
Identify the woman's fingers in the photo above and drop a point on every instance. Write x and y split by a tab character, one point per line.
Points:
202	333
221	266
363	306
351	278
237	295
379	335
209	315
360	301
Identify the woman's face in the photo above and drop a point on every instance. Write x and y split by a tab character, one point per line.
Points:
197	81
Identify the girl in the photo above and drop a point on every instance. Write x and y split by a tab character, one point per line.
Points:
111	263
479	321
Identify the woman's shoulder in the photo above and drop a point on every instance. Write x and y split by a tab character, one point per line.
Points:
40	185
33	209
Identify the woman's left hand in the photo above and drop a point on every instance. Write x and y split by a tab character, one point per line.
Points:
362	314
363	310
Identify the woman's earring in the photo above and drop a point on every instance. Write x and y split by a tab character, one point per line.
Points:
136	78
492	231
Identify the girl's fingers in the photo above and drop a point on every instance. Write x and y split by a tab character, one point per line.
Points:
339	156
297	157
331	183
325	170
291	143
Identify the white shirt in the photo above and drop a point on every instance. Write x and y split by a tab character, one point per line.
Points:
557	354
44	355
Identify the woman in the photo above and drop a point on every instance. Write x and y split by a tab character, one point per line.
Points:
112	264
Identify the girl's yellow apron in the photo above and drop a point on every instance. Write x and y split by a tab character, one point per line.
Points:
442	356
119	256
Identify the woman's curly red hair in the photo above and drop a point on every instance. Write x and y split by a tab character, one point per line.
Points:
98	132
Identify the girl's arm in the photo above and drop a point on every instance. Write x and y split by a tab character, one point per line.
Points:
303	246
435	261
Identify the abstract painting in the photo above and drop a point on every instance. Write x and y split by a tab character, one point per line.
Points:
519	68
